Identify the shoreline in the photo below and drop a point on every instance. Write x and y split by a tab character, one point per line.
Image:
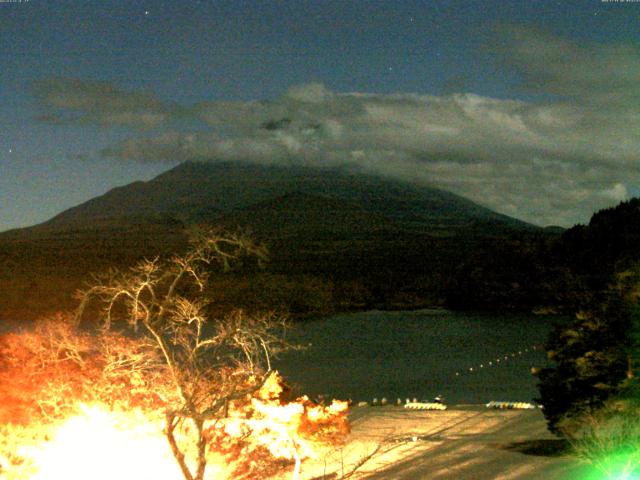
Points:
469	443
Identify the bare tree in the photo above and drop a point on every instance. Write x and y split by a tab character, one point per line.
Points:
211	362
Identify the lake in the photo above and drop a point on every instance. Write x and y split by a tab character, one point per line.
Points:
467	358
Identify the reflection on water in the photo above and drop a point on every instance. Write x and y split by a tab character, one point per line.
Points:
418	354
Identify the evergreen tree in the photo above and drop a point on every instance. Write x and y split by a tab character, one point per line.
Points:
591	356
596	356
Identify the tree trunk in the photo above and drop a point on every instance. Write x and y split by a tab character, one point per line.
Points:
178	455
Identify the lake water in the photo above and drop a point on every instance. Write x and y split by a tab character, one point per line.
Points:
418	354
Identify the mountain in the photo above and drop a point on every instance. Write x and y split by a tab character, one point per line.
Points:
278	200
329	231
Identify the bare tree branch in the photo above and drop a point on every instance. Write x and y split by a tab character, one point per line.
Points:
211	361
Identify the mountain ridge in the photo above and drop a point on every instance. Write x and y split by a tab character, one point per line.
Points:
200	192
337	239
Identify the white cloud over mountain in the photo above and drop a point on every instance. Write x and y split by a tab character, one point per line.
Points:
550	161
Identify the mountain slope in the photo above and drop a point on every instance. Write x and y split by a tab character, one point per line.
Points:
193	192
337	239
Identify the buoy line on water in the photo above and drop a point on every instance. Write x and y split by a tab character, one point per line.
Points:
414	404
500	360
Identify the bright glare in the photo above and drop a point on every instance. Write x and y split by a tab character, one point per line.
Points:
619	467
102	445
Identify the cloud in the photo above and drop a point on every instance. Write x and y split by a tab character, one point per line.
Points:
585	73
551	162
545	163
618	192
72	100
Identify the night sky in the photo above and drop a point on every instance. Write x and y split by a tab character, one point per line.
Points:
531	108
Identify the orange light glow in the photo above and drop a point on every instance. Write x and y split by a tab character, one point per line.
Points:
104	445
68	417
291	430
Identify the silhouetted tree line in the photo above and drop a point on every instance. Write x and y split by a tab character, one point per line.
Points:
595	356
478	270
561	273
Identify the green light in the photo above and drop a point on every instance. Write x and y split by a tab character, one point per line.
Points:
623	466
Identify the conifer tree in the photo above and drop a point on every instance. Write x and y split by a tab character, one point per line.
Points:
591	357
596	356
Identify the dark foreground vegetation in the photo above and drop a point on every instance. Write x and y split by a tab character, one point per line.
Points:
478	268
303	276
591	392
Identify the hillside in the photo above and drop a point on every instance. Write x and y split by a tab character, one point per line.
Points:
392	240
565	270
199	192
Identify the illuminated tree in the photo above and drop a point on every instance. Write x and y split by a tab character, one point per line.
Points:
211	362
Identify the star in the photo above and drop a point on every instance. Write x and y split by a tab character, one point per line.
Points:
146	12
11	150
